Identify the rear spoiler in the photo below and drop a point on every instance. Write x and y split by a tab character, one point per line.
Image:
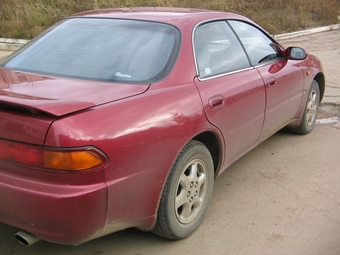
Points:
36	105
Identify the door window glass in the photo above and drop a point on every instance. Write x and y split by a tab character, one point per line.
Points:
258	45
217	50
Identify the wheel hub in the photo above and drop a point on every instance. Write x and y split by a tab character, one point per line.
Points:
191	192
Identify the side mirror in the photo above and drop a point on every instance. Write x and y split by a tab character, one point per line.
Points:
296	53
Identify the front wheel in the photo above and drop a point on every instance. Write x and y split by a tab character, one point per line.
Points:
310	112
186	193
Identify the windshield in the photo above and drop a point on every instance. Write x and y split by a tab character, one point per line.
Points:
102	49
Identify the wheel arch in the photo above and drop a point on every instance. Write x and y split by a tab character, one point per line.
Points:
320	79
213	143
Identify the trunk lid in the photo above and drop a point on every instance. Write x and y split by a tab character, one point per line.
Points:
60	96
29	103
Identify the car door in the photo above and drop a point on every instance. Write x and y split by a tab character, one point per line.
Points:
283	78
232	91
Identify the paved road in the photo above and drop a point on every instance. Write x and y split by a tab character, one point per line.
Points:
4	54
281	198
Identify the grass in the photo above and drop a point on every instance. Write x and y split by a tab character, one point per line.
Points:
26	18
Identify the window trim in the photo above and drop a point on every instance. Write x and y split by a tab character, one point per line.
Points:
224	74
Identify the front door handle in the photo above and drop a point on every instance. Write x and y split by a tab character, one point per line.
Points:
271	81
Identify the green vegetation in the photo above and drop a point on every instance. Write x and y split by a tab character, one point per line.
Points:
27	18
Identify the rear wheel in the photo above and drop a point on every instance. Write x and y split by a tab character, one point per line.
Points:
311	110
186	193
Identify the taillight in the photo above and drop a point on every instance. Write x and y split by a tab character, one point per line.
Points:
64	159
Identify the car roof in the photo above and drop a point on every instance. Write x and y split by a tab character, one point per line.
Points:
172	15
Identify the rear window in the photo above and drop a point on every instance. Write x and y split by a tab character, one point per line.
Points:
102	49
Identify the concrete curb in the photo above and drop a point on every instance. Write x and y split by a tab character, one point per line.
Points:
307	32
7	44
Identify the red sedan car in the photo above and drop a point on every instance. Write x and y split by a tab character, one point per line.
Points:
123	118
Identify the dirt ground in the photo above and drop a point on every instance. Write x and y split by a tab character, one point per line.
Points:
281	198
326	46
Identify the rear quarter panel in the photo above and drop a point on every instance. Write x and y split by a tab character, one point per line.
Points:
142	137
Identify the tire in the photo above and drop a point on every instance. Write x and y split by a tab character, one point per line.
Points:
187	193
310	112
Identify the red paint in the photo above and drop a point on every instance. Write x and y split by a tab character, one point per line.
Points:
139	128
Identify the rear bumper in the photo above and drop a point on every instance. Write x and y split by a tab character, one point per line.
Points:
53	211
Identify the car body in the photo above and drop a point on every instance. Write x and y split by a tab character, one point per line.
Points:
103	114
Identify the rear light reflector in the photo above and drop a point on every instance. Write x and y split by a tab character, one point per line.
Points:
64	159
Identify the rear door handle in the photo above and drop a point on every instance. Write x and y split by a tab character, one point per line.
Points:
216	101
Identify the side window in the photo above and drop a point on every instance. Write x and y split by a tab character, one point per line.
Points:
258	45
217	50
